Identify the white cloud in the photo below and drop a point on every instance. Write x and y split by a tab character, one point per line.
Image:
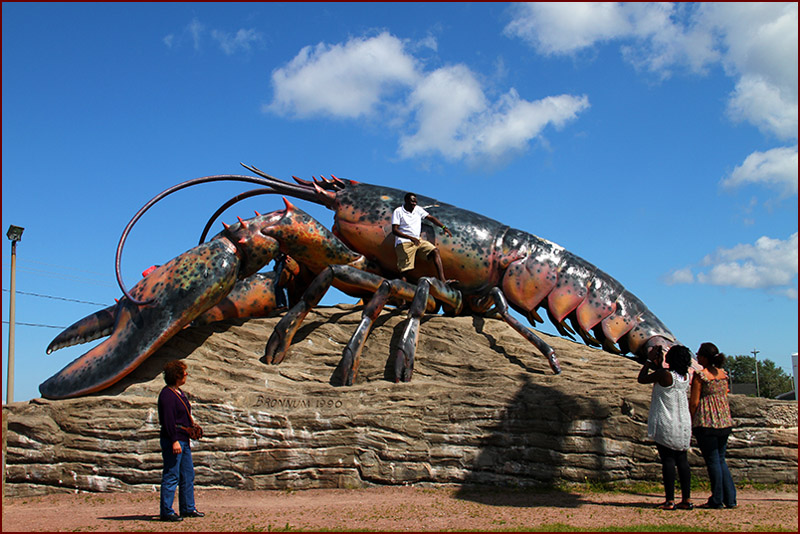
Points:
444	101
767	264
513	121
662	44
346	80
195	32
455	118
231	42
446	111
566	27
759	41
776	167
762	104
680	276
196	29
755	42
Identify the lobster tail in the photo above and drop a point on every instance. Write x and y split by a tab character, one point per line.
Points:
646	327
599	309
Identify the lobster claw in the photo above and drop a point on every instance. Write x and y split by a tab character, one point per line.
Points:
97	325
180	290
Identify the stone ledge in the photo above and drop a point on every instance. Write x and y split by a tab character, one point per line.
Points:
483	408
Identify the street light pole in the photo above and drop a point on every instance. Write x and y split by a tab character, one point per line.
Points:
14	234
754	352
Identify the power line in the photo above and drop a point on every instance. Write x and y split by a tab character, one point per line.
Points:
56	298
40	325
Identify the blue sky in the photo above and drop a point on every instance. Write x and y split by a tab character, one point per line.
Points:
657	141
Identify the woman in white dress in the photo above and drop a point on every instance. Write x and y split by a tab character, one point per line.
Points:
669	423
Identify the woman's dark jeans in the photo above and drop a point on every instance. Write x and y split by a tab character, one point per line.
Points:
713	443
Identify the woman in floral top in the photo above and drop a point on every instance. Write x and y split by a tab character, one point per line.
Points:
712	424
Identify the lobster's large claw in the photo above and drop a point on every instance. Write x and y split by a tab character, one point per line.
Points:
94	326
180	290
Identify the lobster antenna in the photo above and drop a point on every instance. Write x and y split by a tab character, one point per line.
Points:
228	204
154	200
296	190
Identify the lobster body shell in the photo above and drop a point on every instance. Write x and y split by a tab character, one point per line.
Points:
483	253
472	255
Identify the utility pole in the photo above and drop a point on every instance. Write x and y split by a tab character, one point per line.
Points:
14	234
755	352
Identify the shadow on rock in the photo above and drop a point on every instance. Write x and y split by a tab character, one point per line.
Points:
543	438
479	323
177	348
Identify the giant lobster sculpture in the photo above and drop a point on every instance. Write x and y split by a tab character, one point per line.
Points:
497	267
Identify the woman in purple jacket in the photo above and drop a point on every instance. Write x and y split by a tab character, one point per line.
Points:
174	415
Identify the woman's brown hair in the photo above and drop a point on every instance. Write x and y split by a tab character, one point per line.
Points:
173	372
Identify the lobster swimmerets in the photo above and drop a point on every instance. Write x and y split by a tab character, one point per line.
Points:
497	268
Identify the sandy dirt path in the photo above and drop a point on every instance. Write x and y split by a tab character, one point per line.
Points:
396	509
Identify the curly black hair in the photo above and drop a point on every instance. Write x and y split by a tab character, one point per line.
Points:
679	359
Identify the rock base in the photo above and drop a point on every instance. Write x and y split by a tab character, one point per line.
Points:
483	407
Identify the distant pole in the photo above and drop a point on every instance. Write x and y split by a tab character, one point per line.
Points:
755	352
14	234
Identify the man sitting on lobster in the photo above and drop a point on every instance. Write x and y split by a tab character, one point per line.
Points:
407	227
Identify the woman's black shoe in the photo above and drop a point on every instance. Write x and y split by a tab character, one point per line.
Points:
194	513
171	517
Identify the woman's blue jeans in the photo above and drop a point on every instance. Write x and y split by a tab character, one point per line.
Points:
713	445
178	474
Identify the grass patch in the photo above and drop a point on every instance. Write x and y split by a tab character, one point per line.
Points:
766	486
656	486
560	527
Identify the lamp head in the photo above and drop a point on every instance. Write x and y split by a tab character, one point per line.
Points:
15	233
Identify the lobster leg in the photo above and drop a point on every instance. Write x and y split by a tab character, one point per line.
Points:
404	358
347	278
354	281
351	356
282	335
527	333
452	301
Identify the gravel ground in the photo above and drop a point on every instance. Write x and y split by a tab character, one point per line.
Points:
399	509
